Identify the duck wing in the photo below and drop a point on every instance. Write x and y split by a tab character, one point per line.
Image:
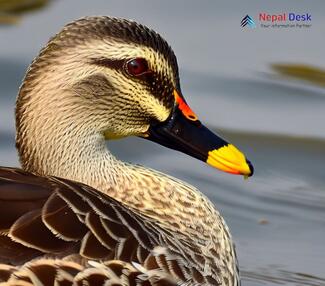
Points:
59	232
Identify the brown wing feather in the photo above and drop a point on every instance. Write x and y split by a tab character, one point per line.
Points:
30	231
62	220
14	202
58	219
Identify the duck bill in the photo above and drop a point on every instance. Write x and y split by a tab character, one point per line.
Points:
183	132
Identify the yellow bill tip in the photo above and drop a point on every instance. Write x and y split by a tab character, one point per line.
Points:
229	159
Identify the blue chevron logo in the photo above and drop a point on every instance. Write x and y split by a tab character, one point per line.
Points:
248	21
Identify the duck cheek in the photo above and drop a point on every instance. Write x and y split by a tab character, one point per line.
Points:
152	109
125	128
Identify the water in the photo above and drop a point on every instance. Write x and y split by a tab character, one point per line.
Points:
277	217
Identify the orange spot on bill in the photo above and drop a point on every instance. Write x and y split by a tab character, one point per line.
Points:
186	110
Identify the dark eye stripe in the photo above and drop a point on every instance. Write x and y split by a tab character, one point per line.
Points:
109	63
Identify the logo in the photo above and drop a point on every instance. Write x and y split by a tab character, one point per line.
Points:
248	21
282	20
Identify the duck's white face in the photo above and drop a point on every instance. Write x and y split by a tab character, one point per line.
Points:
117	78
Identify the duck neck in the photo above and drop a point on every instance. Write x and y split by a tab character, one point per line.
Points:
92	163
65	152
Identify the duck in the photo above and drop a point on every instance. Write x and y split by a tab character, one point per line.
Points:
74	214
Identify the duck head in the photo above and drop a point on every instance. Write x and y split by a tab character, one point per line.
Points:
115	78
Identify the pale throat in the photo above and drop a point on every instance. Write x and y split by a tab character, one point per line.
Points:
89	161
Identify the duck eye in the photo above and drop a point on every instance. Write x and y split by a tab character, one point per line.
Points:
137	66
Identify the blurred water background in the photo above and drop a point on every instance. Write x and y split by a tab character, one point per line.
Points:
237	82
